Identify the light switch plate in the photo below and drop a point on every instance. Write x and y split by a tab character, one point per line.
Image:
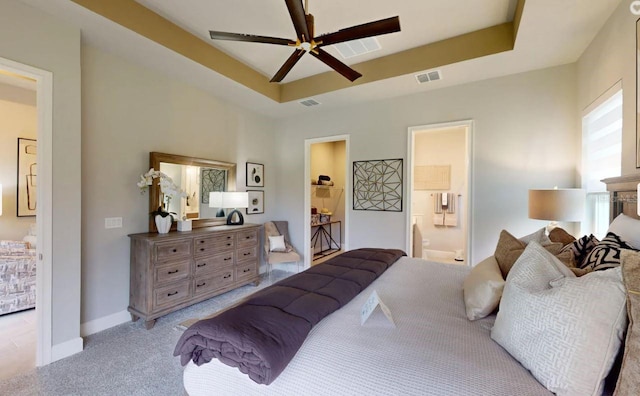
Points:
113	222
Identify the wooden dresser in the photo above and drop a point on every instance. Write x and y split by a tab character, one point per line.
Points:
178	269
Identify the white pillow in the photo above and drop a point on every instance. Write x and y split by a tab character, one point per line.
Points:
627	228
565	330
276	244
483	289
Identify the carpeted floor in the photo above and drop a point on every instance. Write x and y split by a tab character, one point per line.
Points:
126	359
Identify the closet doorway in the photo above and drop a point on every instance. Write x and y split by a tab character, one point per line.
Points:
439	192
327	197
42	82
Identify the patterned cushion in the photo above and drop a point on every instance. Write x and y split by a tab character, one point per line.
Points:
605	254
581	248
566	330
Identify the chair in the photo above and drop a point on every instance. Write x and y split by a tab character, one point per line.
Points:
279	250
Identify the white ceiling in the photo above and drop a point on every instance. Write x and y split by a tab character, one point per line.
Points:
552	32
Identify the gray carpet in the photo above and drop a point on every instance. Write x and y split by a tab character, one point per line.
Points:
126	359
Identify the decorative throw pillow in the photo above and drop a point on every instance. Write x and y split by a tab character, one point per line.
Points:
483	289
605	254
627	228
581	248
629	378
565	330
509	248
560	235
276	244
539	236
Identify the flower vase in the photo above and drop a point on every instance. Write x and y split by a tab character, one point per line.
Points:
163	224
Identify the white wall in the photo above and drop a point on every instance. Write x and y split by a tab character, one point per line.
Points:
31	37
611	57
129	111
524	137
18	119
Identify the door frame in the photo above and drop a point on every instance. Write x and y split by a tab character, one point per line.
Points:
307	192
412	131
44	208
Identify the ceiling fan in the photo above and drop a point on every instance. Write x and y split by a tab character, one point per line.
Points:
306	42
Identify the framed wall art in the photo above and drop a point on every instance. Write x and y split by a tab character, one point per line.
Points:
27	177
255	175
256	202
377	185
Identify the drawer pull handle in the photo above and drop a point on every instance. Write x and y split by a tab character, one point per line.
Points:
247	270
201	241
174	250
227	276
202	284
172	272
202	249
227	258
228	236
228	244
248	237
172	294
247	254
201	265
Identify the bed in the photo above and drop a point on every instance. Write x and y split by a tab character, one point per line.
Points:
432	350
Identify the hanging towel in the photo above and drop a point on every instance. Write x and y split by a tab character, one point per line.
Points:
451	202
451	218
437	203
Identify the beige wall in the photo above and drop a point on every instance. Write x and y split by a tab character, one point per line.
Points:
524	137
18	119
441	147
31	37
610	58
129	111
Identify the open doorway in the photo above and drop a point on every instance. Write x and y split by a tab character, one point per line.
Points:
28	100
439	192
326	210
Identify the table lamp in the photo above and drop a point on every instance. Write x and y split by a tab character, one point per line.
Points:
235	200
558	204
215	201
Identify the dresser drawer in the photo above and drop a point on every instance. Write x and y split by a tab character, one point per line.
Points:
169	296
213	282
167	251
245	254
246	270
172	272
210	264
211	245
247	237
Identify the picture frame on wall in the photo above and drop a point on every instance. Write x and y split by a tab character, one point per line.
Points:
256	202
27	177
255	175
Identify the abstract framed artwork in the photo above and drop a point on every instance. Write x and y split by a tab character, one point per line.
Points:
377	185
27	177
256	202
255	175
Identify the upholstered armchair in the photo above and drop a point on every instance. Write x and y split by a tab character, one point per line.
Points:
277	245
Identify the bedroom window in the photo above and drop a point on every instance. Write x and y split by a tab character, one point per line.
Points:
601	158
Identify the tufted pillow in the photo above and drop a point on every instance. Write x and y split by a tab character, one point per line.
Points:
581	248
560	235
566	330
482	289
629	378
605	254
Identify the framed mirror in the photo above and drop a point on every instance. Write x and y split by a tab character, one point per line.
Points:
197	177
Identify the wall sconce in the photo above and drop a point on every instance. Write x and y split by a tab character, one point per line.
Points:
559	204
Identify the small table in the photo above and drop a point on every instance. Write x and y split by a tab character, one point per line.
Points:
324	234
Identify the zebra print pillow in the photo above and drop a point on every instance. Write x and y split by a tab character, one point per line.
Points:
605	254
581	248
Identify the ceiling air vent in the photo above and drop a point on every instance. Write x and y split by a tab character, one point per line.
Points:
309	102
353	48
433	75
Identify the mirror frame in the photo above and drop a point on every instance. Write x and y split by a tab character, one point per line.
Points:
156	158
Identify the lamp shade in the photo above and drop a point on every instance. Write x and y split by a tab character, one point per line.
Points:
215	199
235	199
562	204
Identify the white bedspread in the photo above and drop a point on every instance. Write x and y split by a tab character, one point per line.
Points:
434	350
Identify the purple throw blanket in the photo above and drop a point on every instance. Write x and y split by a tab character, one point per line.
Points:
261	335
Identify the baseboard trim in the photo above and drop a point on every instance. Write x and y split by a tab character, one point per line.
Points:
66	349
106	322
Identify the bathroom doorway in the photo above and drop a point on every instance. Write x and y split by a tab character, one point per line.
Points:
439	192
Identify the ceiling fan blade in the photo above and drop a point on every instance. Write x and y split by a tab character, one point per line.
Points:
298	17
335	64
288	65
383	26
250	38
